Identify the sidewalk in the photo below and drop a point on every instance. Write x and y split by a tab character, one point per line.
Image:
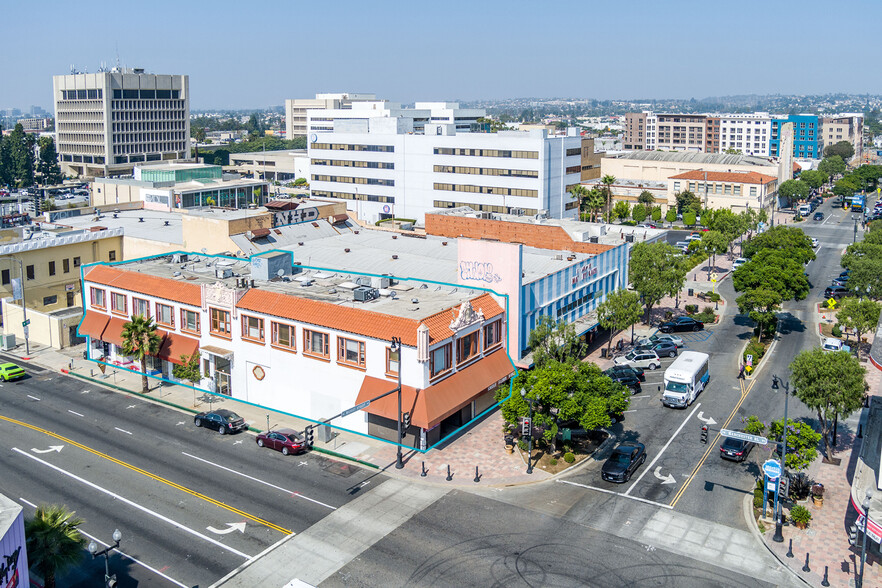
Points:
826	539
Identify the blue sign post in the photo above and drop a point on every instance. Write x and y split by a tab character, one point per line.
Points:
772	471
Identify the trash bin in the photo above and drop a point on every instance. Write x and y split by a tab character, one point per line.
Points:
603	353
691	292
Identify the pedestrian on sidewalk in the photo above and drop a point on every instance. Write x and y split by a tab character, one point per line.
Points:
740	371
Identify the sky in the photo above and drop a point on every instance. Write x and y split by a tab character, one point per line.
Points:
256	54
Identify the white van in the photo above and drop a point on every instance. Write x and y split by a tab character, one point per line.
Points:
685	379
805	210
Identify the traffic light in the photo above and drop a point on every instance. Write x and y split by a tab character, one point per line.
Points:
405	423
310	436
526	428
704	434
852	534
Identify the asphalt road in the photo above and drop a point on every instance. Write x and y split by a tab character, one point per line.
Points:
191	504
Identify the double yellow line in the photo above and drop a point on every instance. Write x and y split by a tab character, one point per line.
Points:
711	445
151	476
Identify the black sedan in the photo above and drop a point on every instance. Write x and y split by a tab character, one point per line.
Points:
680	325
735	449
819	216
662	348
625	459
627	376
223	420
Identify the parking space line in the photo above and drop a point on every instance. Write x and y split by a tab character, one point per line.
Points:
659	454
605	491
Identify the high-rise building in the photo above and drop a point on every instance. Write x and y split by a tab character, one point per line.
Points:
295	109
107	122
746	133
681	132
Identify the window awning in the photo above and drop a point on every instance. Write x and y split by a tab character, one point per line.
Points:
113	331
93	324
219	351
174	346
434	404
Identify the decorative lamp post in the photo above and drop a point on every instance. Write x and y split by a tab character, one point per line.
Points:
109	581
778	537
396	348
529	429
866	506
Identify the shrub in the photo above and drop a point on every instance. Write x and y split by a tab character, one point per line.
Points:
569	457
800	514
797	218
552	461
522	444
671	215
837	332
300	182
757	498
629	223
691	308
712	296
800	486
818	490
753	425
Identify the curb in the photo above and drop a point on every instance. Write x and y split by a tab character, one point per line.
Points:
747	511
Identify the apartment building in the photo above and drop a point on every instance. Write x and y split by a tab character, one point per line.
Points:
35	123
381	168
107	122
681	132
295	109
464	119
843	127
634	136
737	191
806	135
748	134
277	343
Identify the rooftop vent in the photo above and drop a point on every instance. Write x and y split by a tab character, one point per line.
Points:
394	257
414	300
444	243
346	250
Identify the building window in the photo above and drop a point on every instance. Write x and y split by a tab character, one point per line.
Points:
220	322
466	347
111	255
97	297
252	328
50	300
51	268
65	265
753	190
29	272
315	343
165	315
189	321
118	302
76	262
140	308
4	277
492	334
283	336
393	362
676	186
350	352
439	359
737	190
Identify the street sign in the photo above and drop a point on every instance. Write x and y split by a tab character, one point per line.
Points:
750	360
355	408
26	332
772	469
714	277
831	302
26	323
744	436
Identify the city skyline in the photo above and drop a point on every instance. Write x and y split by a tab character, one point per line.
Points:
422	54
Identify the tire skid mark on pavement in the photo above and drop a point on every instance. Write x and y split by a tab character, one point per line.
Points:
150	475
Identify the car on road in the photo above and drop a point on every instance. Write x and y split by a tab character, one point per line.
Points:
841	281
647	226
735	449
287	441
681	324
662	348
835	292
623	462
815	242
682	246
834	344
223	420
627	376
693	237
642	359
819	216
10	371
739	262
657	336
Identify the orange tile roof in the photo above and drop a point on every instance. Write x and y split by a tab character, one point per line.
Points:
142	283
735	177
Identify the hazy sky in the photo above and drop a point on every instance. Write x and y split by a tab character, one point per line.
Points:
257	53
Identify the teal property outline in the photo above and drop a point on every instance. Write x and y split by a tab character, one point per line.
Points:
303	267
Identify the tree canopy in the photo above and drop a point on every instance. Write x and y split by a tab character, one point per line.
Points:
814	178
843	149
54	541
686	201
860	314
621	210
793	190
655	272
773	270
620	310
140	339
554	341
760	304
789	240
832	166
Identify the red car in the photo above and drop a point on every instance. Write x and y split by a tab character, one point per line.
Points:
285	440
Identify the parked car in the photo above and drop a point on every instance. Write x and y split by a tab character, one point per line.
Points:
835	292
641	359
829	344
657	336
680	325
623	462
647	226
662	348
682	245
10	371
815	242
626	376
693	237
819	216
223	420
735	449
287	441
739	262
841	281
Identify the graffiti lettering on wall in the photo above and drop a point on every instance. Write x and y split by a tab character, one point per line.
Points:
583	273
477	270
293	217
9	569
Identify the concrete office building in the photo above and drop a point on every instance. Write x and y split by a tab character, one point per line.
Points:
382	169
281	166
295	109
843	127
107	122
737	191
464	119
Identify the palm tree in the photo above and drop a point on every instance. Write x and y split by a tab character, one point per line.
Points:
646	198
53	541
594	202
140	340
607	181
579	192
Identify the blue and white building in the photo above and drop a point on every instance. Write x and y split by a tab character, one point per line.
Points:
806	135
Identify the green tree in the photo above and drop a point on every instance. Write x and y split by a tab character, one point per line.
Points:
843	149
50	173
689	218
686	201
832	166
775	271
140	340
620	310
198	134
859	314
656	213
646	198
753	425
554	341
622	210
865	278
760	304
654	272
7	177
638	213
714	243
802	442
814	178
830	383
789	240
793	190
190	369
579	193
607	181
671	215
22	153
846	186
54	542
595	202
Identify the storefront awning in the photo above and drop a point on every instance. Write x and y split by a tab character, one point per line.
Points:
174	346
219	351
93	324
434	404
113	331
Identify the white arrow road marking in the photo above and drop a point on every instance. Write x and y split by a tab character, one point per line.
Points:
669	479
230	528
122	431
84	392
131	406
33	397
302	463
51	448
180	423
76	413
709	420
237	442
133	504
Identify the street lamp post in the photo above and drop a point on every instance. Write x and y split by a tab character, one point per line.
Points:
779	523
396	348
859	581
109	581
529	402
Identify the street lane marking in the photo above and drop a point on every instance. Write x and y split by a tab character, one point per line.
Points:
292	492
150	475
122	431
669	479
140	563
52	448
33	397
133	504
605	491
76	413
652	463
31	504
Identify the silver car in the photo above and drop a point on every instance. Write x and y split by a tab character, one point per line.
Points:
642	359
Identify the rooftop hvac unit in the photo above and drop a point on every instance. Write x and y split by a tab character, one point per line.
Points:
363	280
593	239
517	211
179	258
381	282
365	294
629	238
223	272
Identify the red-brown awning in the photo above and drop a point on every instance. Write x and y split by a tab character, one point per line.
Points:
174	346
434	404
93	324
113	331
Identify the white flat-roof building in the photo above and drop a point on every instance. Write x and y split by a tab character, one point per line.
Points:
107	122
383	170
415	119
295	109
281	166
746	133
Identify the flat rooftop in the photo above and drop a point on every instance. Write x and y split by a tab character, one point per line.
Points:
156	225
695	157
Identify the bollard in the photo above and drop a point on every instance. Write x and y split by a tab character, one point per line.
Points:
825	582
423	472
806	567
477	477
449	475
790	549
